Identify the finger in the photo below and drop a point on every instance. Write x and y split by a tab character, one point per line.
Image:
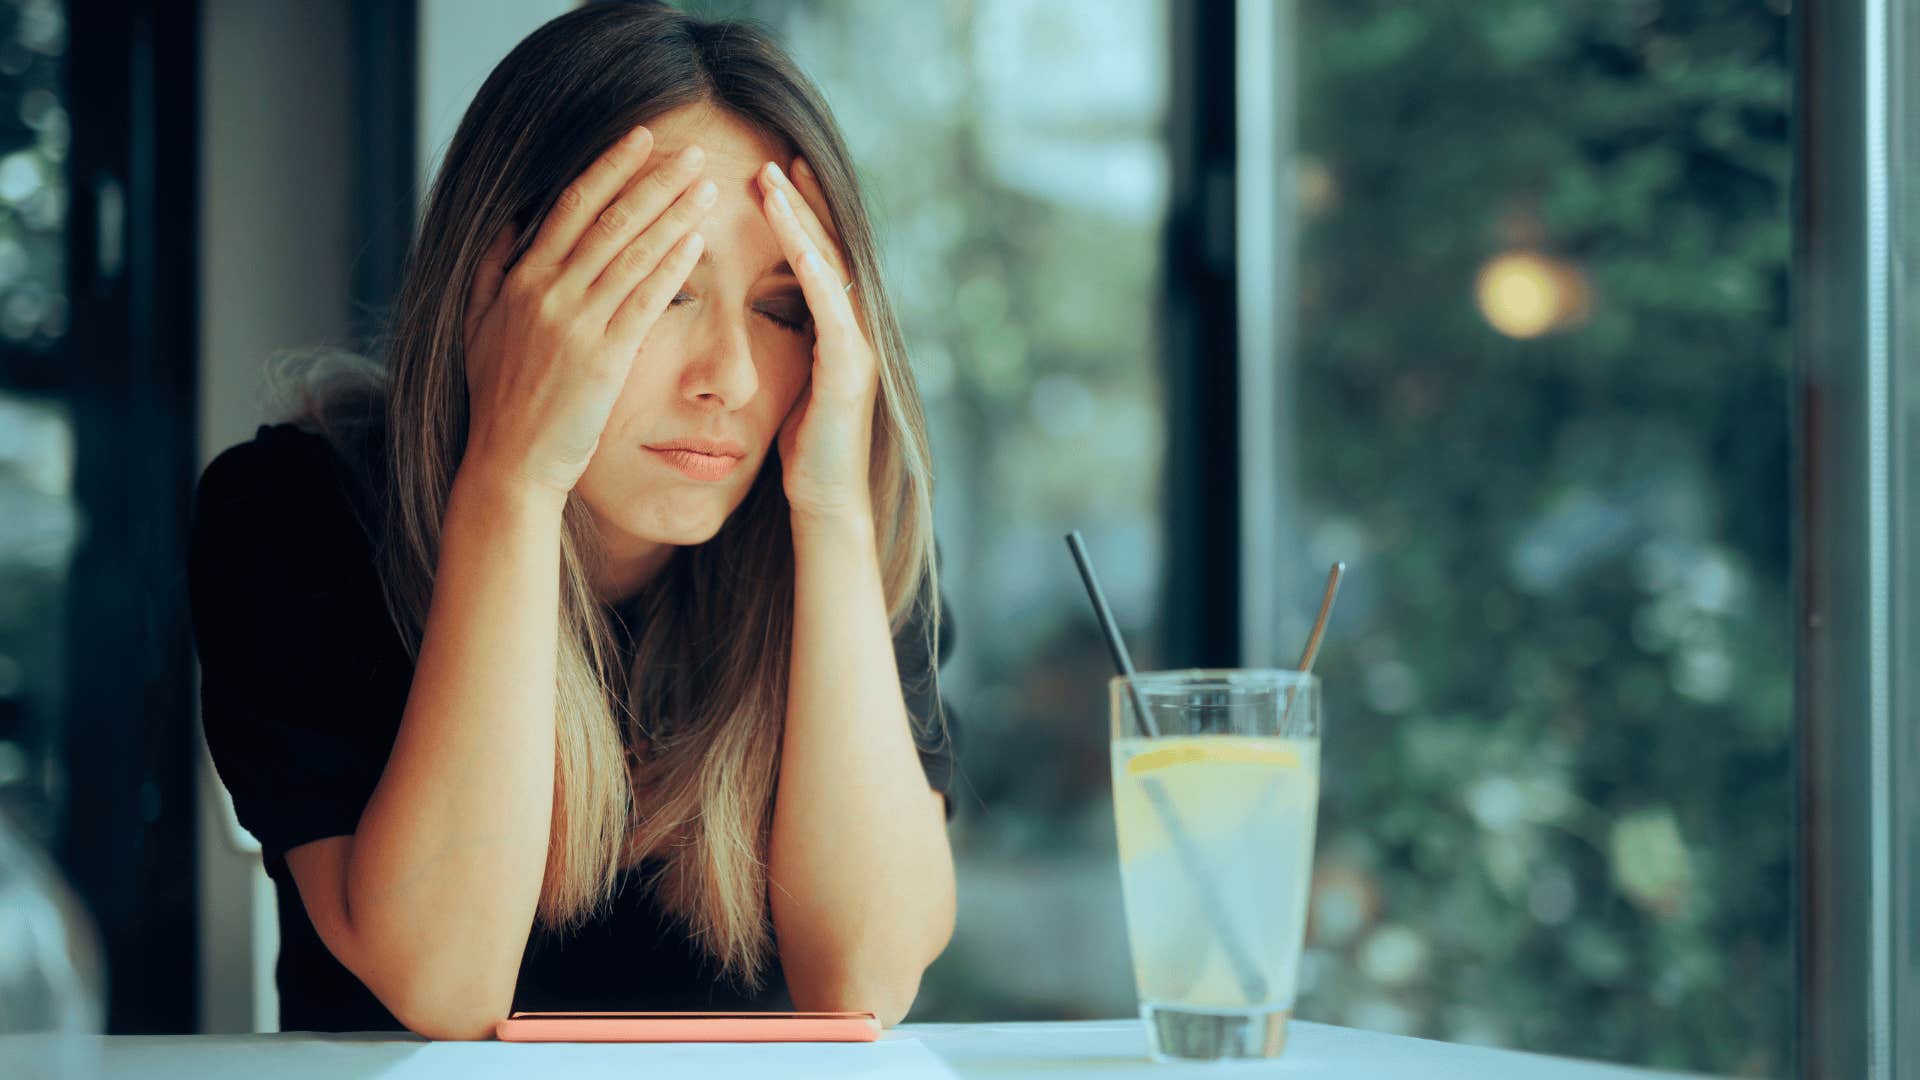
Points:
839	349
580	202
837	331
832	309
808	185
643	305
635	211
772	178
646	251
487	276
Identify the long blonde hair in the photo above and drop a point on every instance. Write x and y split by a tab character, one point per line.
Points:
671	753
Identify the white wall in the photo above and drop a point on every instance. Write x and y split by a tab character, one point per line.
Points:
274	239
460	42
276	250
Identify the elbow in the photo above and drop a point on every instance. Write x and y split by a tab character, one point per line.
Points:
425	972
890	1006
435	989
434	999
449	1018
886	996
451	1027
444	1003
861	981
890	1003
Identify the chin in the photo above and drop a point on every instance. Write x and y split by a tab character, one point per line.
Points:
685	532
689	536
680	518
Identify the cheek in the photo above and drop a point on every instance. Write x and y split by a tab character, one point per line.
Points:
612	475
615	479
649	388
789	373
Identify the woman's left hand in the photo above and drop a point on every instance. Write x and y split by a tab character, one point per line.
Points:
824	441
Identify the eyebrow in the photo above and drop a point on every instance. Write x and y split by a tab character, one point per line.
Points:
781	268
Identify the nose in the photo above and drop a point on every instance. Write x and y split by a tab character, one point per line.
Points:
722	373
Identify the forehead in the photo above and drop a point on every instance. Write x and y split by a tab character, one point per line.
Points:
735	150
736	229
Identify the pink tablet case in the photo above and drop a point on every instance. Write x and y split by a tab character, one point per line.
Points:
688	1027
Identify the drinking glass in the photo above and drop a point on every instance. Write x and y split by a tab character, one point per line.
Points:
1215	791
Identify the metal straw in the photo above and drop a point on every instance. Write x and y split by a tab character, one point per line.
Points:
1313	638
1252	983
1306	668
1320	621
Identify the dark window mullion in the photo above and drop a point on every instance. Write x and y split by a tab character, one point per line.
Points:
1202	581
128	381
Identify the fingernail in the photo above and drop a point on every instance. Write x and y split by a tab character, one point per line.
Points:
801	168
773	170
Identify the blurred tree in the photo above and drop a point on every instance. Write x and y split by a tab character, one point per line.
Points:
1558	810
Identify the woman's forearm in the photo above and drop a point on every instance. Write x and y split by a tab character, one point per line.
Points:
862	883
446	866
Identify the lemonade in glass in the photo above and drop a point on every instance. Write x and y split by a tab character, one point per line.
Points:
1214	806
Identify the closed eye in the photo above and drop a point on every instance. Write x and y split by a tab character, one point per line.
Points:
802	327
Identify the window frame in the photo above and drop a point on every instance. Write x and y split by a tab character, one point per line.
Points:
1856	761
127	373
1856	499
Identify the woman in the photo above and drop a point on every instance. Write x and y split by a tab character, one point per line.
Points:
644	399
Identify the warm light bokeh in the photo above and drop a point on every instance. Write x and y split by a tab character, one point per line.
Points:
1524	294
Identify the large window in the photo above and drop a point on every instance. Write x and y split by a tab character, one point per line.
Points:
1014	156
1538	386
38	516
1527	341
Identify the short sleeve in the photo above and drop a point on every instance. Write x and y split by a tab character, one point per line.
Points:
297	658
934	725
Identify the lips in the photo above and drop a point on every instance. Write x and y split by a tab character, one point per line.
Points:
697	465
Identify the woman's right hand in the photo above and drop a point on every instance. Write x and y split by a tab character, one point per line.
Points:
550	341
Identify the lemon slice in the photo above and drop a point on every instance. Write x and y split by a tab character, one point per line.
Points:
1212	751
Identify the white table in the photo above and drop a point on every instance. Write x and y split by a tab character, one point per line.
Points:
908	1052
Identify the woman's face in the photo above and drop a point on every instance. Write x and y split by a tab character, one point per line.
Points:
724	361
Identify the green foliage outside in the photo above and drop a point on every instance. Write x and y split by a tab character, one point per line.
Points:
1557	805
1557	811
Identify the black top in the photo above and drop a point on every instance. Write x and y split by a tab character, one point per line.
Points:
303	682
